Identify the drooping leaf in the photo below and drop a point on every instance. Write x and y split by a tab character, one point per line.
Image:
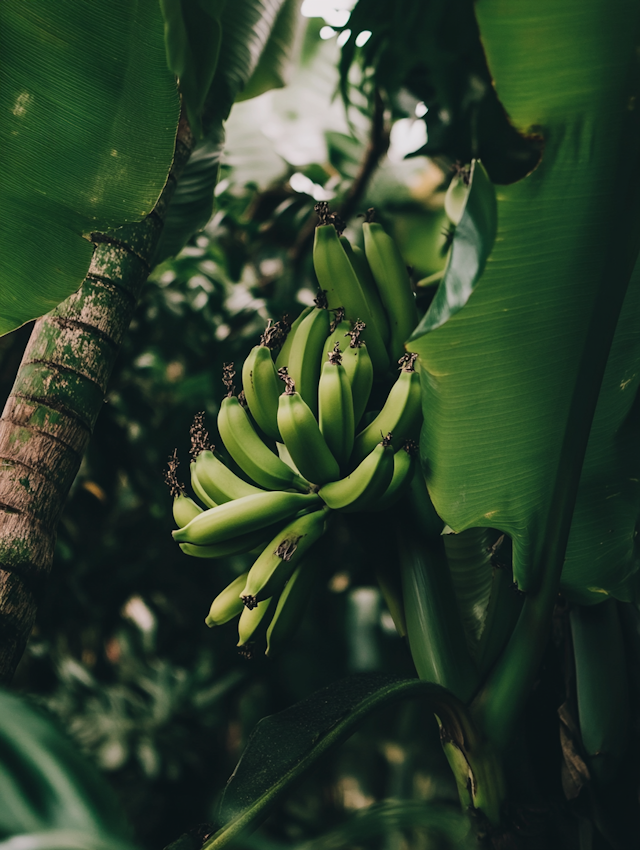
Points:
275	63
48	789
502	372
192	34
472	244
88	115
246	27
283	746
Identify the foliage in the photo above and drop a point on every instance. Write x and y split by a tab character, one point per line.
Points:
104	158
513	360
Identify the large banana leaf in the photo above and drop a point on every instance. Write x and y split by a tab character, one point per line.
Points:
247	30
88	115
505	377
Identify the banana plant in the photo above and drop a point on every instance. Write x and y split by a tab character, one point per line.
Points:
93	169
529	357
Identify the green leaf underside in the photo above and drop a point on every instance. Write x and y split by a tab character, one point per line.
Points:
246	27
192	39
274	65
282	747
89	114
500	374
46	785
472	244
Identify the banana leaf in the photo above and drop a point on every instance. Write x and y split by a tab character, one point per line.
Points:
251	29
88	116
501	373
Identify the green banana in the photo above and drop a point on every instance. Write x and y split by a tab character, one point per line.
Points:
199	490
291	605
283	454
243	516
261	385
252	624
226	605
392	279
404	468
335	272
401	414
335	407
234	546
304	355
281	556
359	369
250	453
283	357
217	481
365	485
368	285
303	438
184	510
339	330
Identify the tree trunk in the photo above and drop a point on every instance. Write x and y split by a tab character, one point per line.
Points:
52	410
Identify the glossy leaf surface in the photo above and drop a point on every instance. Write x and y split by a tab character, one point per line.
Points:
501	373
88	120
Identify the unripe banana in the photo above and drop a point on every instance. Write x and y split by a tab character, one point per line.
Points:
291	605
283	454
404	468
250	453
217	481
261	385
234	546
304	355
243	516
392	279
252	624
368	285
281	556
401	414
365	485
226	605
359	369
283	357
335	272
199	490
335	407
339	331
184	510
302	437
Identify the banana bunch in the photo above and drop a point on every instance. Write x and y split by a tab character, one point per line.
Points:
301	439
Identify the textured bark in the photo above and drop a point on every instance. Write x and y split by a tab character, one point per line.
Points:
51	412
